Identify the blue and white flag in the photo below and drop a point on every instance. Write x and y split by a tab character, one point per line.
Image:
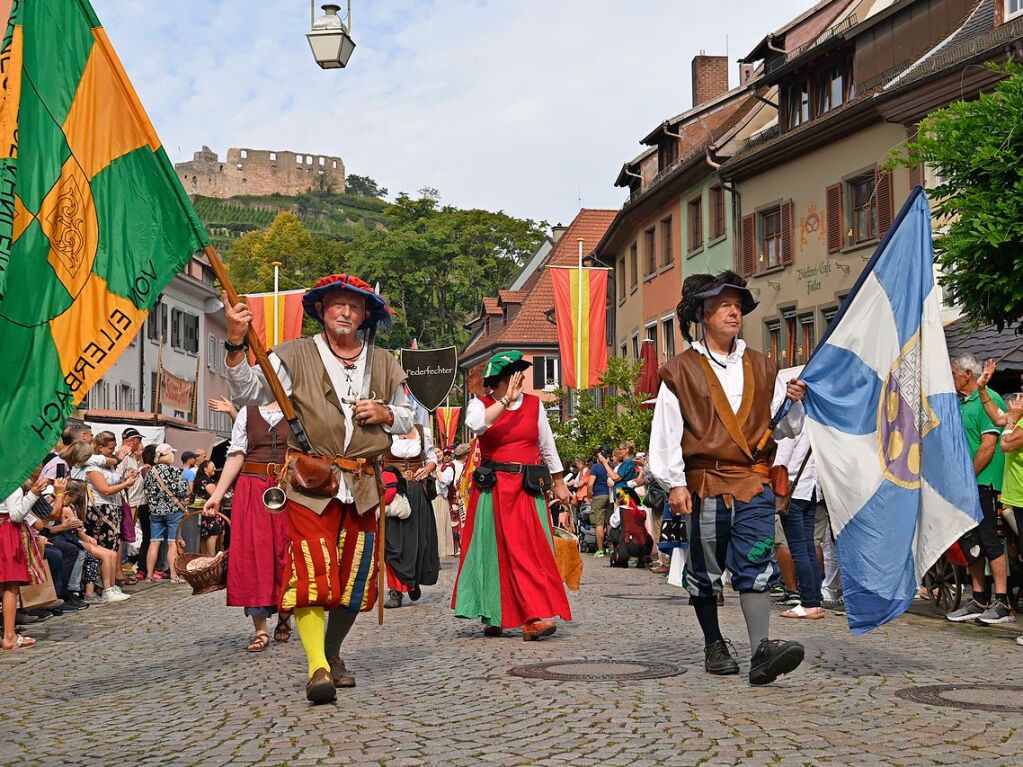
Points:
884	422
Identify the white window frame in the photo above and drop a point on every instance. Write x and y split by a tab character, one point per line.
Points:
1009	12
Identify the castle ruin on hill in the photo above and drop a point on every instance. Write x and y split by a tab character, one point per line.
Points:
260	172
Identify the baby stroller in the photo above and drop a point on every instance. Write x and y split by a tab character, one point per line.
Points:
585	531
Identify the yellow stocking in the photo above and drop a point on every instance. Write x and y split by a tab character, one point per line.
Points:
311	623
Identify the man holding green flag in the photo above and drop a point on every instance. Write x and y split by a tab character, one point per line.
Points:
93	221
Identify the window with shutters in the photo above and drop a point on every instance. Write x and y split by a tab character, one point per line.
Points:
695	219
833	218
156	325
807	338
667	245
620	278
717	212
788	355
668	332
748	249
190	326
650	248
175	329
633	267
769	228
862	209
772	338
546	375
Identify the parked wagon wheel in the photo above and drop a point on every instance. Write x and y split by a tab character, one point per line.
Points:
944	583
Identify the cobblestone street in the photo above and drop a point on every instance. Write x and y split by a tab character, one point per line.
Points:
163	680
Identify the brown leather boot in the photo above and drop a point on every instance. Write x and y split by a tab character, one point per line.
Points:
342	677
320	687
393	599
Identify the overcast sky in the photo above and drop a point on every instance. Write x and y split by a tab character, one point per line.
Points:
526	106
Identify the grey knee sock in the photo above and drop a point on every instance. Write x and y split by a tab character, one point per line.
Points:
756	609
339	623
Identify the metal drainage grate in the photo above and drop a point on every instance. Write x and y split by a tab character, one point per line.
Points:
596	670
973	697
648	597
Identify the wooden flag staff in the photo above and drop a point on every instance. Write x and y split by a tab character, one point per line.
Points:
256	347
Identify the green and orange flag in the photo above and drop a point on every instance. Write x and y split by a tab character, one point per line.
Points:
580	308
93	221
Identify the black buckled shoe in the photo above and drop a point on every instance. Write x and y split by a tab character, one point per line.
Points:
774	658
718	659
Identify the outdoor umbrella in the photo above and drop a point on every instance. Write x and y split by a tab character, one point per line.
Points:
648	382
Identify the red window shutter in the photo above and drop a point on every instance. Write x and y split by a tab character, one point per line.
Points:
884	201
916	176
786	233
749	257
834	218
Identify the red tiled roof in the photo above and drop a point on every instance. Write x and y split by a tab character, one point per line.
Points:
511	296
530	326
490	306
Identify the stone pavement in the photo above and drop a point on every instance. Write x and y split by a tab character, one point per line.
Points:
163	680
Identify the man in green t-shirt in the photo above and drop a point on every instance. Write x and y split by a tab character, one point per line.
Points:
982	543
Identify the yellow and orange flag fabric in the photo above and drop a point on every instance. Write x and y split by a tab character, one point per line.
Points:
447	426
93	221
289	316
580	308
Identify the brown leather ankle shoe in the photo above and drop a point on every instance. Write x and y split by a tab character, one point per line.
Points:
342	677
535	630
492	631
320	687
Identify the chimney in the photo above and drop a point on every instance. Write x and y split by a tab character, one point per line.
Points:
745	73
710	78
557	231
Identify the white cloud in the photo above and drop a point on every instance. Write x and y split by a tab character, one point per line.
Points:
500	105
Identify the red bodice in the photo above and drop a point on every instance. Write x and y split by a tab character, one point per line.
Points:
515	435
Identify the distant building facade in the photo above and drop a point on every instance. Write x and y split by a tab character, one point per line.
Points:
260	172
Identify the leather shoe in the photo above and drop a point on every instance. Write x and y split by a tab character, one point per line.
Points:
415	594
493	631
320	687
774	658
393	599
718	659
536	630
341	676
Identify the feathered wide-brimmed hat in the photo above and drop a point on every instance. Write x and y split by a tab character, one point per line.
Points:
378	313
697	288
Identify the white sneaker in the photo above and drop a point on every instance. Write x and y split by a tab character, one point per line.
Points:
115	595
1019	640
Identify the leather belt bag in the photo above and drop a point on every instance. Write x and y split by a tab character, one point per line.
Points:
314	474
536	478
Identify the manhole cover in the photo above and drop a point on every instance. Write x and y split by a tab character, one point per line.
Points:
647	597
975	697
596	670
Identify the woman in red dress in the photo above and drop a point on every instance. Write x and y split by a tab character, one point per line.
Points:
507	575
259	539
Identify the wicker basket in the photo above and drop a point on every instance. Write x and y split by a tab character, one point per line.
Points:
211	576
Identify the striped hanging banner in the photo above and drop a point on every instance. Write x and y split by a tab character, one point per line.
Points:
580	307
447	426
289	316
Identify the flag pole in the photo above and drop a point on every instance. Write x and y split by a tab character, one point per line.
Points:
277	297
256	347
579	324
159	379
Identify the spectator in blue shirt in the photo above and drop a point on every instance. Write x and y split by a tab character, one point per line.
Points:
600	504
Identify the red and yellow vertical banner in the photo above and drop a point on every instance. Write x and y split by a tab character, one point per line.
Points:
580	307
447	426
289	316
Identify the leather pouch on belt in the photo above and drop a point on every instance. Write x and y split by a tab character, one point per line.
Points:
779	477
314	475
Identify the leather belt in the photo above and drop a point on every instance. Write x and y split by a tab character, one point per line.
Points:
510	468
756	468
403	465
262	469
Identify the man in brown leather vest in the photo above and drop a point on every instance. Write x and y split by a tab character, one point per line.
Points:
349	396
715	403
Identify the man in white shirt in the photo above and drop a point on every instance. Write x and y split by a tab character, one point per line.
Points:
349	398
713	409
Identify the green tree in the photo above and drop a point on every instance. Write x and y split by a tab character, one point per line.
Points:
363	186
304	258
435	263
975	149
619	417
